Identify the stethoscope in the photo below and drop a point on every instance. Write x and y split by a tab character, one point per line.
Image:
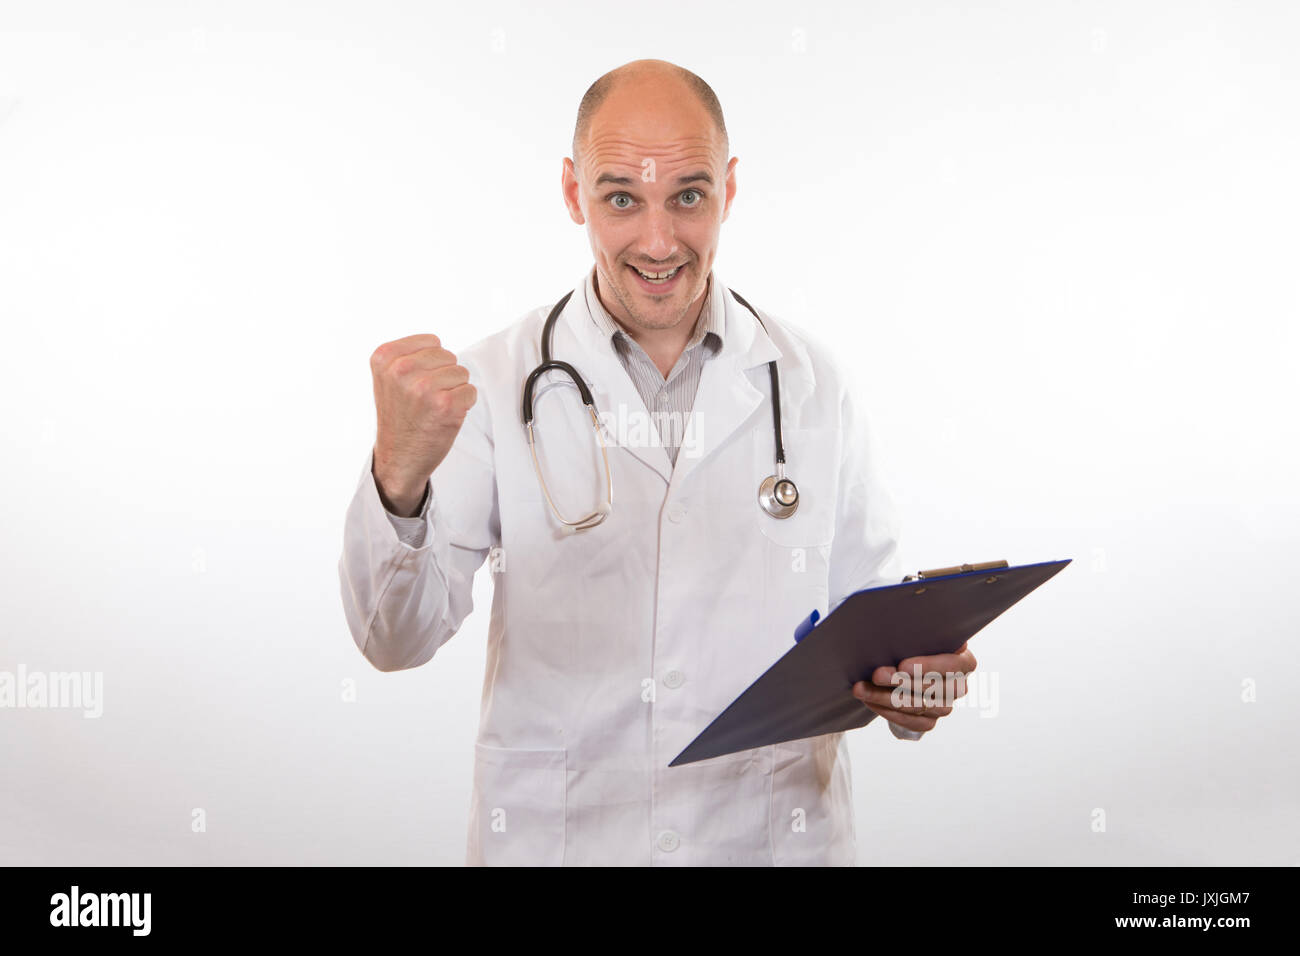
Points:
777	494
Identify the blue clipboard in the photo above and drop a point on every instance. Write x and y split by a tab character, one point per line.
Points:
808	692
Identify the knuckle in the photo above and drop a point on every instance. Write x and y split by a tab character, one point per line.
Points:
427	390
417	388
441	401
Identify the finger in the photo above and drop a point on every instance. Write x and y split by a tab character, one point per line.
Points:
906	721
386	353
412	343
947	686
463	397
904	700
888	679
939	663
883	676
446	376
424	360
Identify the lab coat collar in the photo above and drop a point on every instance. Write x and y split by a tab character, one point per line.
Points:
743	339
726	397
712	319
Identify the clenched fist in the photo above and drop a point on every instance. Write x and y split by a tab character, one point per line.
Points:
421	398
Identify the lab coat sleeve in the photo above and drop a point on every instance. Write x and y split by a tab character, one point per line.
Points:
864	552
403	599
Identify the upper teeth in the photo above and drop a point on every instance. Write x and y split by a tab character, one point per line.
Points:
657	275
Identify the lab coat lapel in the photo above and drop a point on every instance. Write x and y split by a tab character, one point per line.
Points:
725	400
619	405
726	397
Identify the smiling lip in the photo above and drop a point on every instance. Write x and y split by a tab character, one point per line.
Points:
661	285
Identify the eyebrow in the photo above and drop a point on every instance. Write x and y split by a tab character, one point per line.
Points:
699	176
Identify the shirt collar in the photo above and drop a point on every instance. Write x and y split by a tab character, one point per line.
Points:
712	320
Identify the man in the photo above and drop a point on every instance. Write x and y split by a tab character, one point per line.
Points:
610	648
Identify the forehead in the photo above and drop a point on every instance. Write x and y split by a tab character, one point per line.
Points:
672	167
668	126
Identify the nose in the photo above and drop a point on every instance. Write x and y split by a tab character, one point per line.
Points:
658	241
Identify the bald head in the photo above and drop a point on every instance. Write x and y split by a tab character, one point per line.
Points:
651	181
648	77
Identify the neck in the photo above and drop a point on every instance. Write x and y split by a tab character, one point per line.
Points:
664	346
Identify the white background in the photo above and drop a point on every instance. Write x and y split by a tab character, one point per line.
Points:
1057	239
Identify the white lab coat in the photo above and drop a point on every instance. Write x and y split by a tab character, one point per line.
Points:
611	649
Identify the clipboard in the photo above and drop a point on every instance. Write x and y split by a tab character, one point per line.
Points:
808	691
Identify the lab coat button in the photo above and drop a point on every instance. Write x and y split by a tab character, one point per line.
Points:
676	513
674	679
669	841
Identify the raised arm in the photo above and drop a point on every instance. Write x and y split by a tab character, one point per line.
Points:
424	514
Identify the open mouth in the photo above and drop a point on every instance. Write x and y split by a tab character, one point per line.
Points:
658	280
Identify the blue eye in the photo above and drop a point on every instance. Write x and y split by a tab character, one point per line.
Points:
696	192
618	196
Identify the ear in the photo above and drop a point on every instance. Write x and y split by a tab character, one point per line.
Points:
572	191
730	185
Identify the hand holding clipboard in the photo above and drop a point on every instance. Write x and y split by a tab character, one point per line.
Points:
809	691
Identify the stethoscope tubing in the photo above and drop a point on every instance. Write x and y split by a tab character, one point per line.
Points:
778	495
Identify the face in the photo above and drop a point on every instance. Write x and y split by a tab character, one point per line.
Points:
653	187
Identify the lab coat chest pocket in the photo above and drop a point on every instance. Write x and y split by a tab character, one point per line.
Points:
812	463
518	809
795	551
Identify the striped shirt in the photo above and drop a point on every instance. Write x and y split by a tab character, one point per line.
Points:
668	400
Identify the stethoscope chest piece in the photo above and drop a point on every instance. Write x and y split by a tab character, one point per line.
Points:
778	496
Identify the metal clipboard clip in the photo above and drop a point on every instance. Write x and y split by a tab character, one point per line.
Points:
959	569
